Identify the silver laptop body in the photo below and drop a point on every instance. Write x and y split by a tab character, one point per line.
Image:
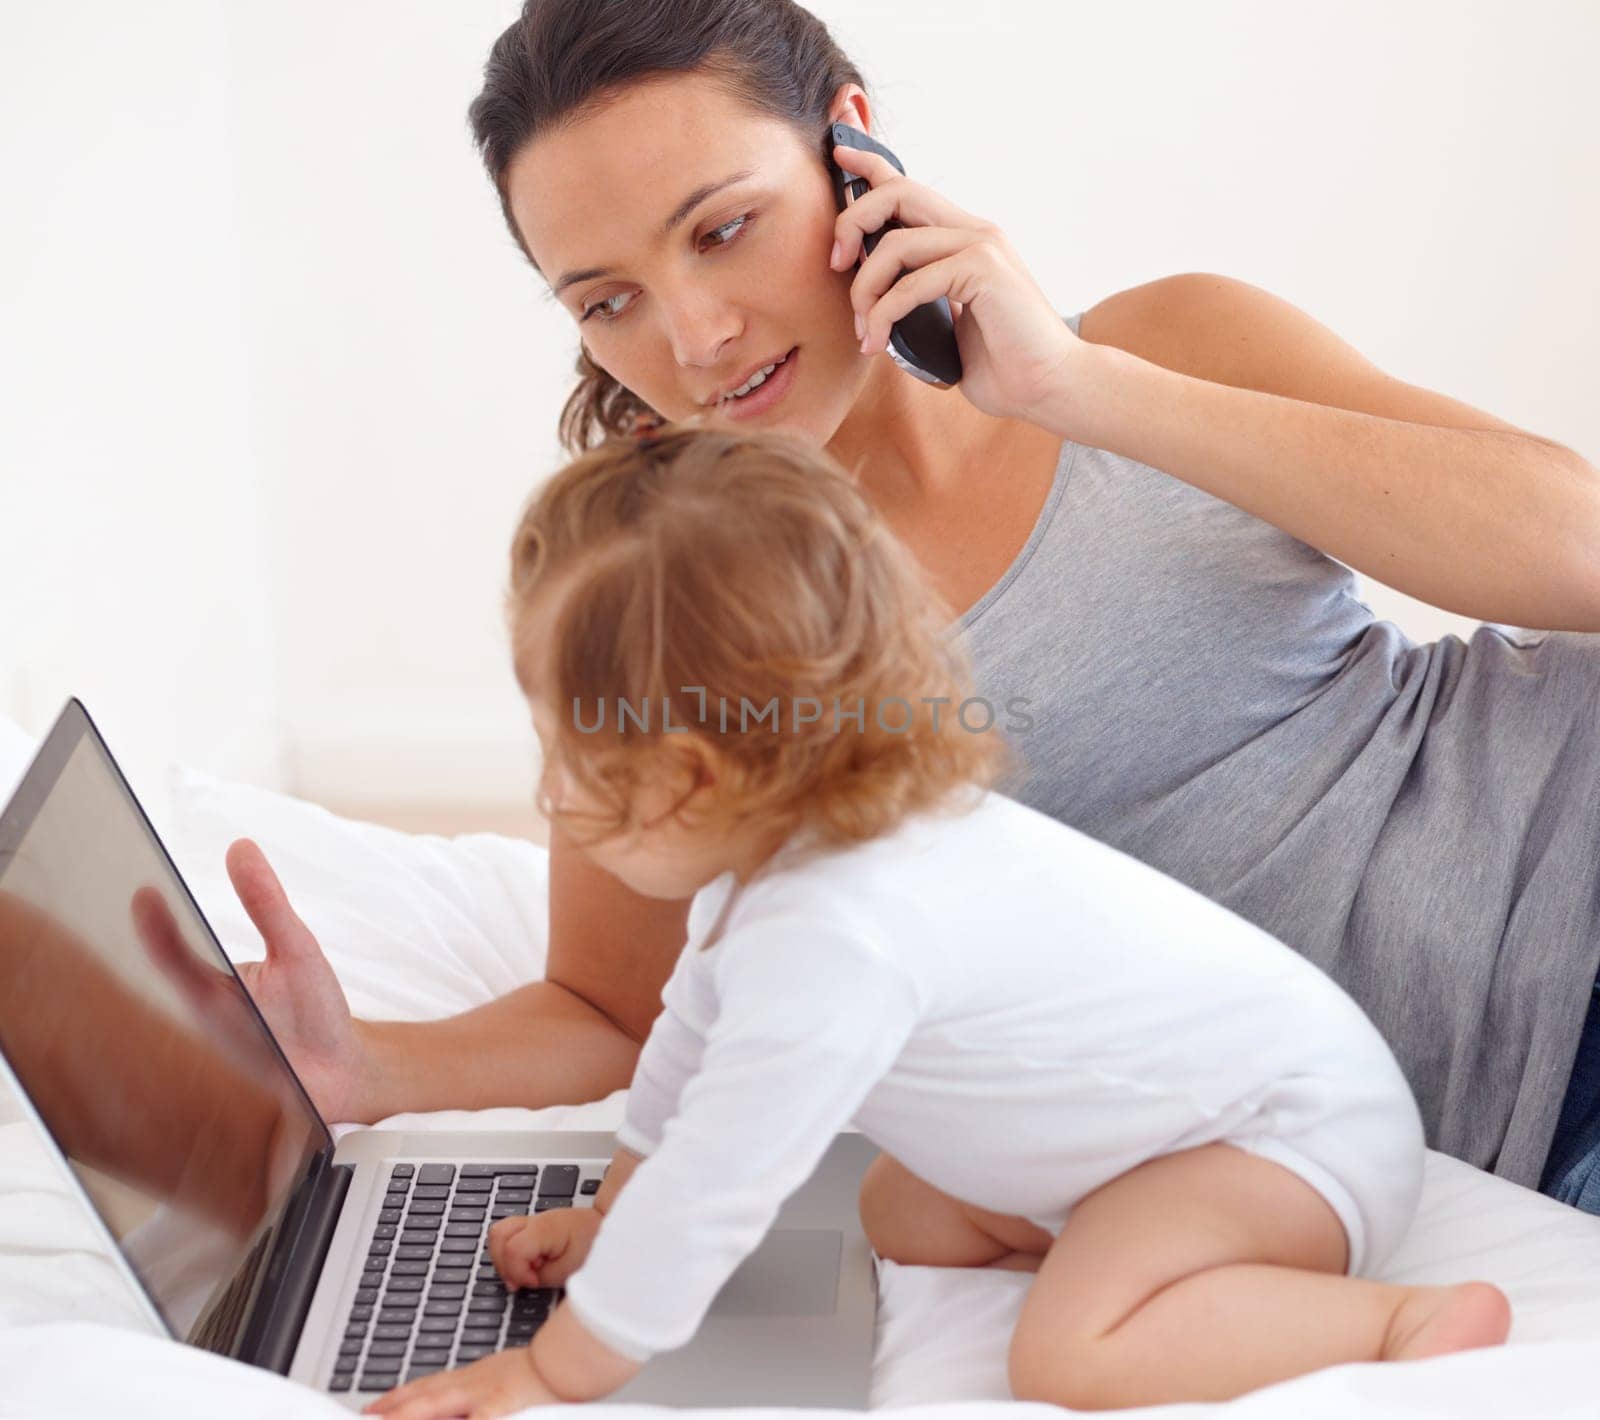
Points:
238	1221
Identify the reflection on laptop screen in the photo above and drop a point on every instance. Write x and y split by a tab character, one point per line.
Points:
137	1045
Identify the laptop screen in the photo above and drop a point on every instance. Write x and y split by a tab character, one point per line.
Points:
138	1046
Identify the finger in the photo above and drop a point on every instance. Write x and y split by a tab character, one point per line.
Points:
442	1394
902	251
158	929
266	902
896	196
524	1256
952	277
500	1238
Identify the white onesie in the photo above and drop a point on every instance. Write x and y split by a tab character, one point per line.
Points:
1016	1012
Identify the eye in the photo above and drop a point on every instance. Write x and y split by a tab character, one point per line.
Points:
726	234
605	305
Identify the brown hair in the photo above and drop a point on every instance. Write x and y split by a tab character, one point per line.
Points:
561	57
709	575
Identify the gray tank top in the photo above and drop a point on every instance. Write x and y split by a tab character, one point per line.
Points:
1211	696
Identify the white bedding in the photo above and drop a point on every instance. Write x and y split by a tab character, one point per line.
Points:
419	926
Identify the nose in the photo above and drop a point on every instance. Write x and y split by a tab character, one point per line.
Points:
699	323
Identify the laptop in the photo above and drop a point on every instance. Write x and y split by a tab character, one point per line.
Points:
246	1229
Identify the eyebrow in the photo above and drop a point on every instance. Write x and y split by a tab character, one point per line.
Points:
679	213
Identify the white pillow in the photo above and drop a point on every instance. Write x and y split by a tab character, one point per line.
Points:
416	926
17	747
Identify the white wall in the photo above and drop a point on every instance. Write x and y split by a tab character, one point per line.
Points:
1419	177
132	566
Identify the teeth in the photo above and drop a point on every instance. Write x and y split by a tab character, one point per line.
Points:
755	381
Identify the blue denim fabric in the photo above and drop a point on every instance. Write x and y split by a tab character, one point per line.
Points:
1572	1171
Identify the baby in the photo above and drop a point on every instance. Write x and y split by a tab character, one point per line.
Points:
747	695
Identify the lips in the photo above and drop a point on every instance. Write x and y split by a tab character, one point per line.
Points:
727	390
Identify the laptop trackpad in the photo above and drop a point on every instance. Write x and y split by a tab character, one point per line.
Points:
795	1272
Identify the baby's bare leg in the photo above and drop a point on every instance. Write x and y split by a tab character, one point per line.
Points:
1211	1272
909	1220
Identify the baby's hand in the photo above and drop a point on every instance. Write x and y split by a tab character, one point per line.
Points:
544	1250
497	1385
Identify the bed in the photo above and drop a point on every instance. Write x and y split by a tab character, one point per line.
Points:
420	926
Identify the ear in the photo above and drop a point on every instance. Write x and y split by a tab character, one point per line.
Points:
851	105
691	774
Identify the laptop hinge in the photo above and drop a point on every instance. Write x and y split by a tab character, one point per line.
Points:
275	1328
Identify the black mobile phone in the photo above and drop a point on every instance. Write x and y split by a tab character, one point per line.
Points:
922	343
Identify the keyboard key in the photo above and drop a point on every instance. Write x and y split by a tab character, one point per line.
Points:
339	1383
344	1365
381	1380
420	1206
531	1170
446	1324
391	1333
544	1205
349	1348
431	1191
471	1187
361	1313
430	1356
558	1181
590	1185
462	1230
385	1348
480	1336
409	1269
385	1230
396	1314
414	1252
519	1333
402	1171
519	1180
379	1248
494	1287
491	1305
454	1244
446	1294
355	1331
416	1373
465	1215
388	1216
472	1353
507	1210
436	1173
477	1170
366	1296
404	1284
441	1309
452	1275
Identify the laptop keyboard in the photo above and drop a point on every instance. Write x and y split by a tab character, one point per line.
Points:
429	1296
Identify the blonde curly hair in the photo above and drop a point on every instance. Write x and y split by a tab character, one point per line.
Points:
708	575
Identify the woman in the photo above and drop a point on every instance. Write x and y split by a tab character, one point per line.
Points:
1138	510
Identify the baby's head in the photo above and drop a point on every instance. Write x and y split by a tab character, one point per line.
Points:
722	645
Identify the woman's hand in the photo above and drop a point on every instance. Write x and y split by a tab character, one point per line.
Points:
545	1249
293	985
497	1385
1016	351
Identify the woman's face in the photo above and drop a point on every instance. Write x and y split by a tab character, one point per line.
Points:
688	235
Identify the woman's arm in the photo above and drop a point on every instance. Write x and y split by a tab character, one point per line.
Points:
1239	393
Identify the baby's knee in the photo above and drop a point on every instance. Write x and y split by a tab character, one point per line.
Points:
1059	1370
885	1193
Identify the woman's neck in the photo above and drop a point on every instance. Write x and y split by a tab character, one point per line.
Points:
906	442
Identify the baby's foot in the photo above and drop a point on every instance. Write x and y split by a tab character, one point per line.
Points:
1434	1321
